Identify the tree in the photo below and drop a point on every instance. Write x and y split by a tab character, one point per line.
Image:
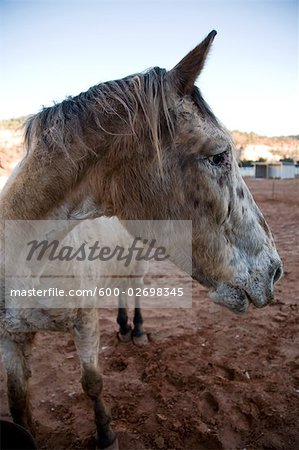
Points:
289	160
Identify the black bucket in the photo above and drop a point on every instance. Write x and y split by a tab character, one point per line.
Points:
15	437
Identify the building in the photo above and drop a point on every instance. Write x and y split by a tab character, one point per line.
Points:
281	169
247	171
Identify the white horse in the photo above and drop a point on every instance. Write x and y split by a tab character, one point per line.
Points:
145	147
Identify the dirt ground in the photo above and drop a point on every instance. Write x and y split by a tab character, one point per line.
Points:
207	379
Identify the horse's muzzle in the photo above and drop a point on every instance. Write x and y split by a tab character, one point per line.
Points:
264	295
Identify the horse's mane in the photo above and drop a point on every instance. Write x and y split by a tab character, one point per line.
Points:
95	111
67	122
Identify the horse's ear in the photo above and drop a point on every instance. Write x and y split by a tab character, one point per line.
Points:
184	74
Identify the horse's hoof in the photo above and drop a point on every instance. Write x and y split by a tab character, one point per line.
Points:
113	446
125	337
141	340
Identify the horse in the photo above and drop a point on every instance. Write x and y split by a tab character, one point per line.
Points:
146	147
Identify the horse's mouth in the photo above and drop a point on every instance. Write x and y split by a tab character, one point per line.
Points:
249	298
236	298
232	298
258	302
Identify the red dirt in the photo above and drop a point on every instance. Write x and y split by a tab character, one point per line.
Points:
207	379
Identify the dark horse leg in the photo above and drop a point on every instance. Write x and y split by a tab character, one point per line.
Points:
86	337
138	334
125	329
126	333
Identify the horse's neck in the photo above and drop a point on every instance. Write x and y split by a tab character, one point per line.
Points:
38	186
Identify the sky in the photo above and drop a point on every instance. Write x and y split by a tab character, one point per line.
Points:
50	49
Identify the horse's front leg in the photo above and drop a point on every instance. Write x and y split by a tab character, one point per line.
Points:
86	337
139	336
125	329
16	350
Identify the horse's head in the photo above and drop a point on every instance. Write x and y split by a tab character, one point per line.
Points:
181	165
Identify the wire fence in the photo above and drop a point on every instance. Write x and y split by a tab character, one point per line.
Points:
286	191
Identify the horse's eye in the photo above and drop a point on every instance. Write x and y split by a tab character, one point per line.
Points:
220	159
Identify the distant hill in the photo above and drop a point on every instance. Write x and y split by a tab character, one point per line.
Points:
253	146
12	124
11	143
250	146
243	138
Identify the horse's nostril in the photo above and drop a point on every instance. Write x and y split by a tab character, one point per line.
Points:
277	274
